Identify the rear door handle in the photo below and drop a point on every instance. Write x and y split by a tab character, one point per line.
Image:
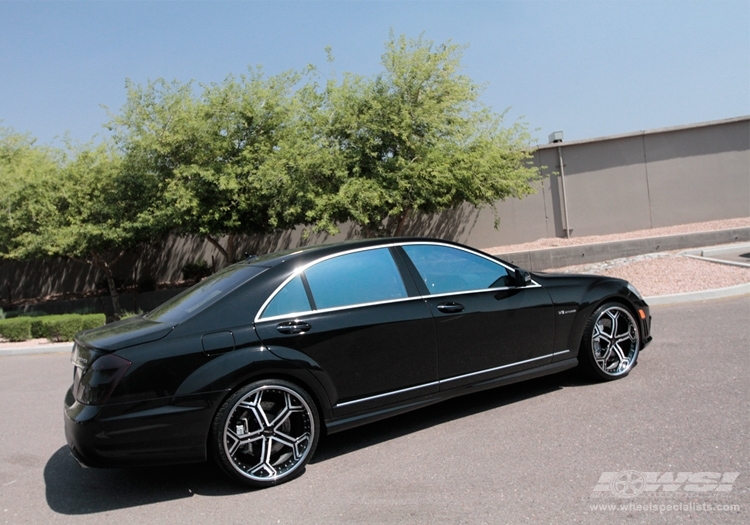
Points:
293	327
450	308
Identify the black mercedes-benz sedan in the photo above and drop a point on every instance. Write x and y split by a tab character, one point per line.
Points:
250	366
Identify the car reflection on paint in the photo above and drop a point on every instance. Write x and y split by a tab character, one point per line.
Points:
251	366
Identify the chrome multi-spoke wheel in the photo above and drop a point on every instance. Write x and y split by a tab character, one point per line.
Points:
266	432
611	342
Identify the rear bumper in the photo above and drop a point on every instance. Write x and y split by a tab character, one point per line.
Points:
139	434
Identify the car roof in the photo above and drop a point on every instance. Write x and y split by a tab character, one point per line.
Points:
309	253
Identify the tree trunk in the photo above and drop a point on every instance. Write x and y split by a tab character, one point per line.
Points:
113	294
228	252
102	263
401	223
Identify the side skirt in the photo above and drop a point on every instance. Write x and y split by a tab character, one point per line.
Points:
334	425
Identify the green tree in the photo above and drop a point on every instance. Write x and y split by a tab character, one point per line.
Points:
415	139
28	176
219	157
92	210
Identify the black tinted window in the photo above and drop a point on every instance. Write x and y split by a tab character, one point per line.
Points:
355	278
204	293
290	299
445	269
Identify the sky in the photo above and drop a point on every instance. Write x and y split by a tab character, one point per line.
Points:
587	68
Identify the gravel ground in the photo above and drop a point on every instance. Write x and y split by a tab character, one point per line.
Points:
667	273
653	274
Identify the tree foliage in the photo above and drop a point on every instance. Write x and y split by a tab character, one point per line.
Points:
218	157
28	178
85	207
416	139
256	154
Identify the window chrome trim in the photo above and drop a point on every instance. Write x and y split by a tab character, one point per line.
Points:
337	308
299	270
442	381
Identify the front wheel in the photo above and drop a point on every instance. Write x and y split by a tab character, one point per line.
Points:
265	433
611	342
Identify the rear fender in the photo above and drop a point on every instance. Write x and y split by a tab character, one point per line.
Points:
231	370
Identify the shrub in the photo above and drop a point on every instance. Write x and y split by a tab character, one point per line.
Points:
16	329
53	327
37	327
196	271
2	314
92	321
63	327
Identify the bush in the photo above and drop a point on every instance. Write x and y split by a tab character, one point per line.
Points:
92	321
196	271
54	327
2	314
62	327
37	327
16	329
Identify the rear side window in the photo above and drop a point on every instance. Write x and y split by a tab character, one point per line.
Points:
369	276
445	269
290	299
355	278
205	293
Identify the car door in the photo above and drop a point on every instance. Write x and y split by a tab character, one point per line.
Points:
486	325
362	323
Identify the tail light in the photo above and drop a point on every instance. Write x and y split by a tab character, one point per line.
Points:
96	375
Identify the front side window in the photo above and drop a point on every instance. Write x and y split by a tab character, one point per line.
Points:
445	269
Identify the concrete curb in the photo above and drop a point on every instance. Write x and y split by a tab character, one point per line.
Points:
714	254
42	349
704	295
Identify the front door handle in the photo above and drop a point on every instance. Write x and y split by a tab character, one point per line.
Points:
450	308
293	327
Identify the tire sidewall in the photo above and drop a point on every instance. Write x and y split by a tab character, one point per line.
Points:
216	441
586	351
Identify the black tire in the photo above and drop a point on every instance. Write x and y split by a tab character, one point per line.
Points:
611	342
265	433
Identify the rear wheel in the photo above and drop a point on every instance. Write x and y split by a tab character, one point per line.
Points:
611	342
265	433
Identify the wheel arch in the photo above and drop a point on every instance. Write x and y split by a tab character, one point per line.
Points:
596	296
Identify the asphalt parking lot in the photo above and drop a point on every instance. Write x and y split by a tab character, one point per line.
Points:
554	450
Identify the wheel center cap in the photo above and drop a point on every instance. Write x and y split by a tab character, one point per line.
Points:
268	432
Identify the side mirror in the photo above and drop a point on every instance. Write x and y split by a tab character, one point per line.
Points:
523	277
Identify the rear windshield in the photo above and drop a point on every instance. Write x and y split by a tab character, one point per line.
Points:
203	294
